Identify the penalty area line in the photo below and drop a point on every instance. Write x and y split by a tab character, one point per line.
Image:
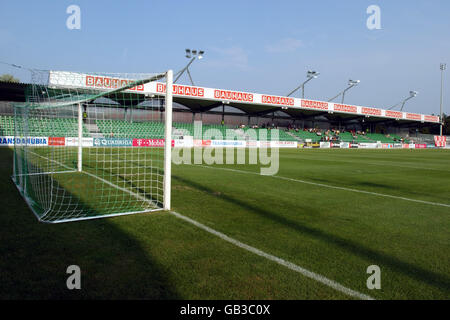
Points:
309	274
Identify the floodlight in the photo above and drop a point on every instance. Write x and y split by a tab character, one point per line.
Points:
192	55
351	84
412	94
309	75
312	74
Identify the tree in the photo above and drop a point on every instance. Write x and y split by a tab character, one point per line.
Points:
446	127
8	78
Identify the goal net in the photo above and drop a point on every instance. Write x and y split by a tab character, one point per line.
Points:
90	145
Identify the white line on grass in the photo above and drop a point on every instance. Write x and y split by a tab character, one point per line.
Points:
52	160
378	163
309	274
329	186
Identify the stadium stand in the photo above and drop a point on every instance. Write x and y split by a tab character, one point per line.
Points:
188	128
125	129
6	126
240	133
41	127
305	135
290	128
346	137
380	137
152	129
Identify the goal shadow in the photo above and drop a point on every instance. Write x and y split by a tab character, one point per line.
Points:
114	264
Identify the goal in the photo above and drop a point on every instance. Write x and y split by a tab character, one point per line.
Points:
92	145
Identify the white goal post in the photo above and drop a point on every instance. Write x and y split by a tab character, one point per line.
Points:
93	145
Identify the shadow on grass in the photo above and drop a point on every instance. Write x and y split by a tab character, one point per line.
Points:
375	185
406	190
334	183
405	268
35	256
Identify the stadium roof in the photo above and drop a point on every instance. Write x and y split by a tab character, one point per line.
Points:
202	99
12	91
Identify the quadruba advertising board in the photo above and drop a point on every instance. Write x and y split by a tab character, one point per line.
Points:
113	142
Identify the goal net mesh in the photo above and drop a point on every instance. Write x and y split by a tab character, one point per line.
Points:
90	145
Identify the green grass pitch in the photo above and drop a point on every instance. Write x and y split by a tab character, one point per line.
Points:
332	212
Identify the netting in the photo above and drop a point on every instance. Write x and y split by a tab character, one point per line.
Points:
90	145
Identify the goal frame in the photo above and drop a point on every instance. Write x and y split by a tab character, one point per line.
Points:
167	152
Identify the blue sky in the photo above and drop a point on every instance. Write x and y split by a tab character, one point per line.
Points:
258	46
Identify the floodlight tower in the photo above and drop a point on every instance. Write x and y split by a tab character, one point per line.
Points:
412	94
351	84
309	76
192	55
443	67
